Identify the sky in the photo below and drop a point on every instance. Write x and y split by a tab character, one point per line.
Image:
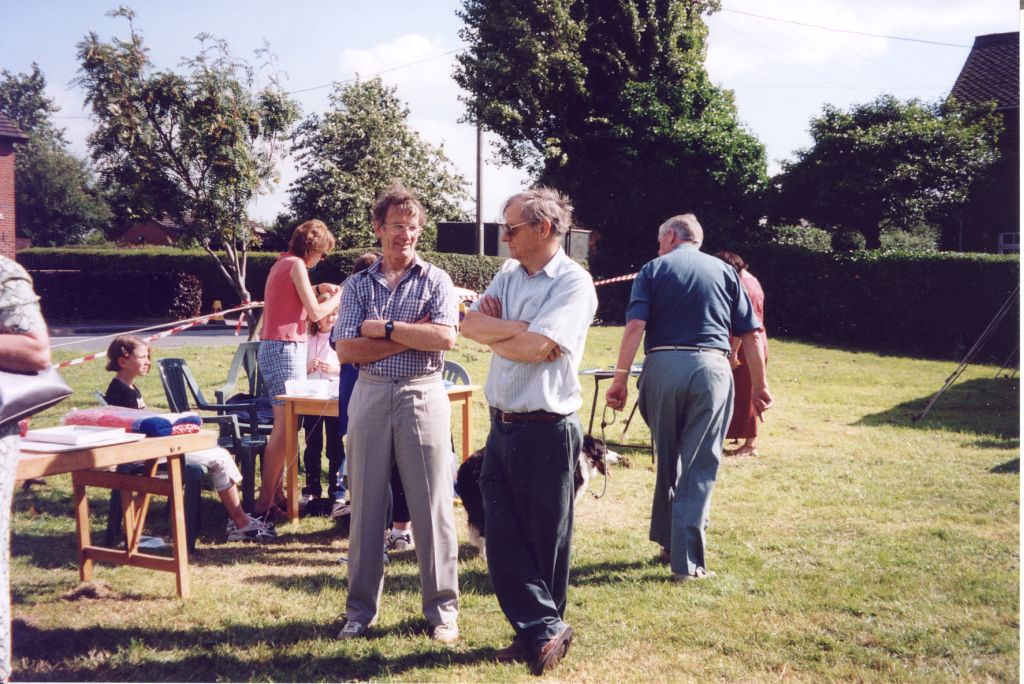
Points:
783	65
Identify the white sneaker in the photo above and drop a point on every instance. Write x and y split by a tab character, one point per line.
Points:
399	541
352	630
341	509
257	530
446	633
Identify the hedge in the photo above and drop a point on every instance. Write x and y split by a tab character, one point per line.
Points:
930	305
933	305
473	272
80	295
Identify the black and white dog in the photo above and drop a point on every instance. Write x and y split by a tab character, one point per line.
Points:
467	484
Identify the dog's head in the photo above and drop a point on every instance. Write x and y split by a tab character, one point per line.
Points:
594	449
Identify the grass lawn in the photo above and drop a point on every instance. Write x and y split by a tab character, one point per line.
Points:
858	546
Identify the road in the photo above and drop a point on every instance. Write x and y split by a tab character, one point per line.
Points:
96	337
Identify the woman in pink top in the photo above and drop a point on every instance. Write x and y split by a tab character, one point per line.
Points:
288	300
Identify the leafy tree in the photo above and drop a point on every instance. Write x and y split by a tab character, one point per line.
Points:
23	98
609	101
887	162
56	200
196	147
358	149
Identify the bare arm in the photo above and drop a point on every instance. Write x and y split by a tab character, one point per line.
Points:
485	329
421	335
631	337
314	309
359	350
28	351
736	345
486	325
527	347
754	356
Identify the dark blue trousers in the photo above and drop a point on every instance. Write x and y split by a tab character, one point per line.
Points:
527	486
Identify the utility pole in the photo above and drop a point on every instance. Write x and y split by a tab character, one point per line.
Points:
479	189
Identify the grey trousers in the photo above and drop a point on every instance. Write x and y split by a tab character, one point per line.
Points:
686	399
403	423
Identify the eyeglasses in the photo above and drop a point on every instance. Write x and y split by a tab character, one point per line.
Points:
396	228
511	230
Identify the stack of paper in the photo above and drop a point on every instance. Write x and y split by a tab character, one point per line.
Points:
75	435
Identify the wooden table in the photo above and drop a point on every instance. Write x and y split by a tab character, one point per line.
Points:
310	406
135	490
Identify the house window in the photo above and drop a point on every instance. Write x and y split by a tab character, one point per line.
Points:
1009	243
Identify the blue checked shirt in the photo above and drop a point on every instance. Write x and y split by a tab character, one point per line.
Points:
425	290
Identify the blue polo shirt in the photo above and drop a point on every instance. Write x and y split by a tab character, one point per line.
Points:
689	298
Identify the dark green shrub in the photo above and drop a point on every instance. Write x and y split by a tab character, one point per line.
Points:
917	239
933	305
848	241
78	295
809	237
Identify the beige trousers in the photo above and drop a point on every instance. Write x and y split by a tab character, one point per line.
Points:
403	423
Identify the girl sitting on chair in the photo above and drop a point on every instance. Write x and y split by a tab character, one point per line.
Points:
130	357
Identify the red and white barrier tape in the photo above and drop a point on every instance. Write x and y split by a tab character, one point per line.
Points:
184	325
616	279
464	295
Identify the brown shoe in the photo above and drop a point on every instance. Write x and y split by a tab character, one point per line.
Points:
513	653
553	651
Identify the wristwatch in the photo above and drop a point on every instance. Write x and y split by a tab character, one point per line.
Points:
389	328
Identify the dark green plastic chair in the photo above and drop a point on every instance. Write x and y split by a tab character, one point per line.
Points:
179	387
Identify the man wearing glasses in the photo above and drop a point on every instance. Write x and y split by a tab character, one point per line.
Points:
534	316
397	319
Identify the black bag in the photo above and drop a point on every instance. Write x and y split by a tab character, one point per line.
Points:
264	407
25	393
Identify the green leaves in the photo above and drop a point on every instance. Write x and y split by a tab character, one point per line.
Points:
608	100
355	151
196	147
888	161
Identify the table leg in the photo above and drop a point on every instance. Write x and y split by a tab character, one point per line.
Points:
84	535
593	406
291	460
467	427
178	533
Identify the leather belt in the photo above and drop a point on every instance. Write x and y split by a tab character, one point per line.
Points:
676	347
531	417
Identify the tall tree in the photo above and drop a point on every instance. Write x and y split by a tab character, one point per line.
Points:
901	163
56	199
197	147
352	153
609	101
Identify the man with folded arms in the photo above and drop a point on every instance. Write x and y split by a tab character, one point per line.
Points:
687	303
397	319
534	316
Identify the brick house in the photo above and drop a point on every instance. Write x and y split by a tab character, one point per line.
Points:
9	135
162	232
991	220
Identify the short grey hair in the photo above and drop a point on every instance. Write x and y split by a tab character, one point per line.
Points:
537	204
685	227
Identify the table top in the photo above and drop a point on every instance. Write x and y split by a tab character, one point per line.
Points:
634	370
40	464
451	390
